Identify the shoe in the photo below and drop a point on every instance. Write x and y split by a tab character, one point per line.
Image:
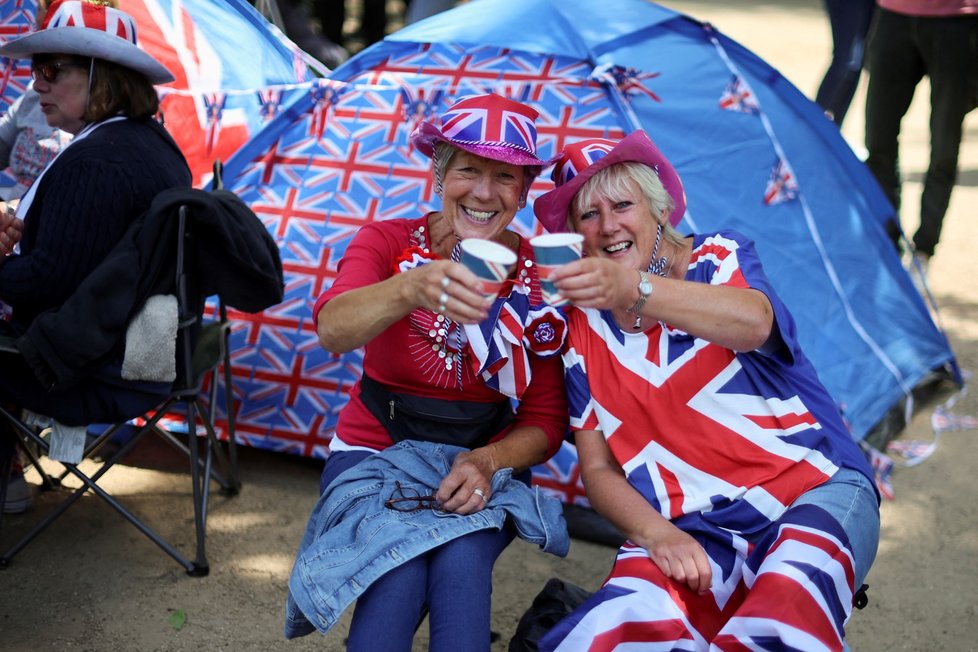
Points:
19	497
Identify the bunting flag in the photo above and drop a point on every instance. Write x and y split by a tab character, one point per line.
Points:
882	466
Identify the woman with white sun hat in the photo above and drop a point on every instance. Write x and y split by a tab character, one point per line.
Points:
97	84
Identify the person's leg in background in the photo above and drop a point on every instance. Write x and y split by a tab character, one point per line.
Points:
950	50
850	21
895	68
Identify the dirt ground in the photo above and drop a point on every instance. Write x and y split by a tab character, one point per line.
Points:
93	583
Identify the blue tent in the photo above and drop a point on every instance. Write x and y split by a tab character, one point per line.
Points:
754	154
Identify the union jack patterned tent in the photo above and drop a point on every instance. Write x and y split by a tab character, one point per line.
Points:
755	155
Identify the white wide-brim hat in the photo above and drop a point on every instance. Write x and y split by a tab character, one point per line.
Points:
89	30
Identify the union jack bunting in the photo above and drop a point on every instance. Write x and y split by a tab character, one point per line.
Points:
630	81
913	451
882	466
214	105
943	420
270	100
738	96
782	186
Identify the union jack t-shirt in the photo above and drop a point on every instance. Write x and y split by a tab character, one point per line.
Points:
662	397
722	444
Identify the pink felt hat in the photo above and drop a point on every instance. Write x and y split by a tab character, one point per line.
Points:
582	160
490	126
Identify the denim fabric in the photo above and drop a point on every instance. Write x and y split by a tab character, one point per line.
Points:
850	21
851	499
352	539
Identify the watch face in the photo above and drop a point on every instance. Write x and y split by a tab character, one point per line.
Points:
645	287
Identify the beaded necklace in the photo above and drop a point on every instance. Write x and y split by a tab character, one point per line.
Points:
453	360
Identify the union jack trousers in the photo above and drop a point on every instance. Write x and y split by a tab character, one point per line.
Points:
792	589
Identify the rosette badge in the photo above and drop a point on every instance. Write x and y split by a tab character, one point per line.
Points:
488	260
551	251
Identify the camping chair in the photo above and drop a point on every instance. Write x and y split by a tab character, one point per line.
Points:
200	349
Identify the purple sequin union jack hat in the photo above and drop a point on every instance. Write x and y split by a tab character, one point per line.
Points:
490	126
89	29
585	158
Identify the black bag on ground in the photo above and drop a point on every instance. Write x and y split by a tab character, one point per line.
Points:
557	599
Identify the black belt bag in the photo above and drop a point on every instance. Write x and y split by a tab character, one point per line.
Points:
461	423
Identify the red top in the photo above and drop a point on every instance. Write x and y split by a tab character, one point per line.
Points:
414	354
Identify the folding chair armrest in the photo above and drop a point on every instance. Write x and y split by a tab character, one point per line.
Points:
209	348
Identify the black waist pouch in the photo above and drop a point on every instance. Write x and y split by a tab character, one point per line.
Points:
460	423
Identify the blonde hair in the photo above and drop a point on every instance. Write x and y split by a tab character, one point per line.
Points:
618	181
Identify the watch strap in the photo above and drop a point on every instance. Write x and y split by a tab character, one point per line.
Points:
644	278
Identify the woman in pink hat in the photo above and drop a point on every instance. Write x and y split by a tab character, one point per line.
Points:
703	432
94	82
442	367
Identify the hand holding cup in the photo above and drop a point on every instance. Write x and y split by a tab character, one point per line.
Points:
490	261
551	251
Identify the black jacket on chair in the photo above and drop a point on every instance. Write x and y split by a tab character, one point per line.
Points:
232	256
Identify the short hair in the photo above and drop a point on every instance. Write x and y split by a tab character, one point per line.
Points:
614	182
114	88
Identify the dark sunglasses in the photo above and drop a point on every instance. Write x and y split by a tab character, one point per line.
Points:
49	70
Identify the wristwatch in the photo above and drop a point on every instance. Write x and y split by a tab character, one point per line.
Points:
644	292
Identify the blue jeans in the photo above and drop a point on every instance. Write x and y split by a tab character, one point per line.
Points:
452	584
850	21
849	496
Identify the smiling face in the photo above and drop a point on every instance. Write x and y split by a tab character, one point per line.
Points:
618	225
480	196
63	99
